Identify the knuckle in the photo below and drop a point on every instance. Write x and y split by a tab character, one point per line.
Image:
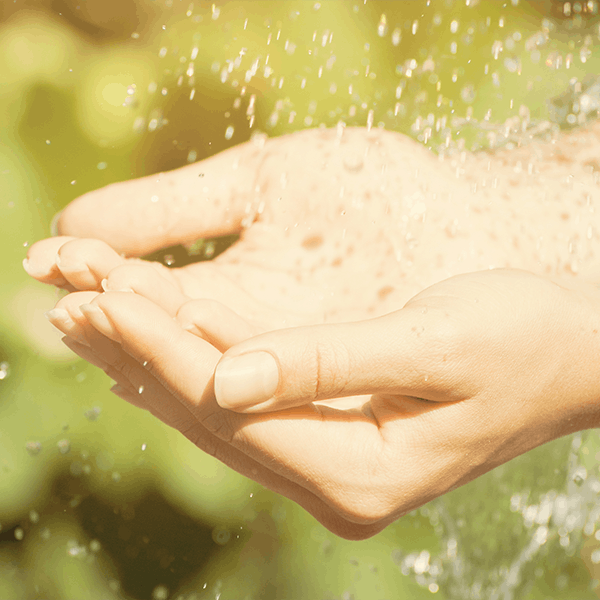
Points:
219	423
123	367
332	368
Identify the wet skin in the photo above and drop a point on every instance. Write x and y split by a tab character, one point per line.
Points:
349	239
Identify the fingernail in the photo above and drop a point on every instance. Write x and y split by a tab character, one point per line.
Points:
99	320
67	267
106	287
57	314
54	224
246	380
62	320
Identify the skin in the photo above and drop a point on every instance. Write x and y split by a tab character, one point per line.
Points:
431	319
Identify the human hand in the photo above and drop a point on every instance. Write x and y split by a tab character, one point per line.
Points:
471	373
280	449
331	229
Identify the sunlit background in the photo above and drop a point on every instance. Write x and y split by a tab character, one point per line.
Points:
99	500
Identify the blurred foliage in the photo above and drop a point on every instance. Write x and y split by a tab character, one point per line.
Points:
98	499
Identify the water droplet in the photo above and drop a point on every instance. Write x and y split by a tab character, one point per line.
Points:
251	495
33	448
4	370
221	536
396	36
93	413
140	389
353	163
19	533
63	446
169	259
229	132
145	363
95	546
192	156
101	166
370	118
143	447
580	475
75	550
160	592
162	52
74	182
382	27
468	93
48	142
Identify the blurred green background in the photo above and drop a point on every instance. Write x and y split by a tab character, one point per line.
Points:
99	500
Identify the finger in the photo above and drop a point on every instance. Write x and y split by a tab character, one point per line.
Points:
145	279
212	321
404	353
41	261
83	262
206	199
253	469
292	445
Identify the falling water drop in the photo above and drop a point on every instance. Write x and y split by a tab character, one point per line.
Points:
93	413
229	132
382	27
63	446
33	448
4	370
140	389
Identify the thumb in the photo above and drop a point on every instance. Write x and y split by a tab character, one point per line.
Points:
209	198
402	353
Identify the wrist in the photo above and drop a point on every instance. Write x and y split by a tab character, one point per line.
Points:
579	409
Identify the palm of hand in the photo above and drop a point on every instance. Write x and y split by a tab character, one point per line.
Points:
331	230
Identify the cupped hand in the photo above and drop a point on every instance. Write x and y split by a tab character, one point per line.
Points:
472	372
334	230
